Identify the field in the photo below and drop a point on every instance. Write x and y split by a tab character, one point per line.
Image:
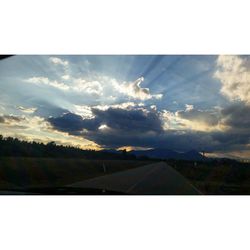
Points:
216	177
16	172
209	177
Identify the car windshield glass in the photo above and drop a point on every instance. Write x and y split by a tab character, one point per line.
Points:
125	124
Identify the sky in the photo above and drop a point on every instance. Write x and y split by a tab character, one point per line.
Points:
176	102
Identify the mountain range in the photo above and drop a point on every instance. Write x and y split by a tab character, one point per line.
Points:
162	153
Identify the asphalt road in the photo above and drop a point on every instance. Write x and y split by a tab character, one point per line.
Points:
153	179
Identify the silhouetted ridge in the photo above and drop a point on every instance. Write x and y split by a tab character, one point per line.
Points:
13	147
161	153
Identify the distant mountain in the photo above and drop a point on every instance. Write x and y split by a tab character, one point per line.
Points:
156	153
193	155
162	153
113	151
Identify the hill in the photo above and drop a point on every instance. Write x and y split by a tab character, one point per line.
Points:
13	147
161	153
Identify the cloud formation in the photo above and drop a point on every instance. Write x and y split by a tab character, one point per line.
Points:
210	118
11	119
78	85
35	128
58	61
234	75
237	117
89	100
193	119
90	84
136	120
90	87
135	91
27	110
98	86
140	127
46	81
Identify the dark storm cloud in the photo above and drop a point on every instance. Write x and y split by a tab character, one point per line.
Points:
137	120
73	123
169	139
175	140
237	116
124	127
141	127
231	139
117	119
137	127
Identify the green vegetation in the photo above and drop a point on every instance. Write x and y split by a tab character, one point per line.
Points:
16	148
221	176
27	165
48	172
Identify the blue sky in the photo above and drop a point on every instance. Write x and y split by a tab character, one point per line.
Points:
135	101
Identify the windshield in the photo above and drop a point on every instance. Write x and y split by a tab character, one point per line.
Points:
152	123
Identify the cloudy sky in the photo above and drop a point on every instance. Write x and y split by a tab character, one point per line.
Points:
175	102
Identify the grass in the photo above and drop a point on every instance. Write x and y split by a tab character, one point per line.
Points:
209	178
216	178
48	172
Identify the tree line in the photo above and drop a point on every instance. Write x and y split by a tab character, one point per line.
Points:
10	146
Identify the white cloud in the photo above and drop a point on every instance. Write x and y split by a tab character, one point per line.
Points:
90	87
65	77
47	81
103	127
153	107
96	85
134	90
86	112
79	85
58	61
189	107
27	110
124	105
234	74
